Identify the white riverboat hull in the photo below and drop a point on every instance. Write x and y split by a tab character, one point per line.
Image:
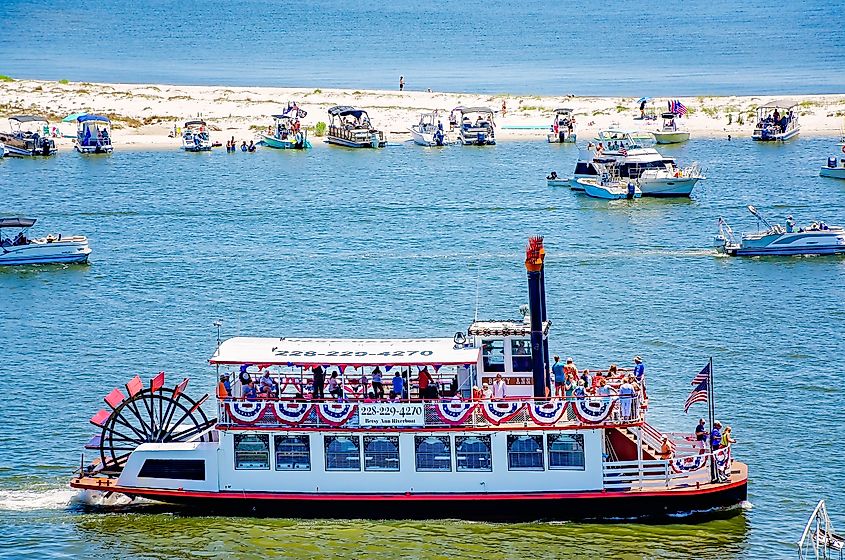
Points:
41	251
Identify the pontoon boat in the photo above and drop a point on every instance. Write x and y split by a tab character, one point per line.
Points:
195	136
670	133
562	129
478	132
46	250
93	134
429	131
816	239
776	120
287	132
352	128
29	136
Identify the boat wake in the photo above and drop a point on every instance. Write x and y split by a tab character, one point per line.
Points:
30	500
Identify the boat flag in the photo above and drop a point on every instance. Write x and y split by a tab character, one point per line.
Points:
157	382
134	385
678	108
701	388
114	398
623	151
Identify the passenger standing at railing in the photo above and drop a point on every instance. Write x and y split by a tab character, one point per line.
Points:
587	379
424	381
716	436
334	387
378	387
701	433
398	384
665	449
486	392
499	388
365	383
727	440
626	398
223	389
319	382
559	374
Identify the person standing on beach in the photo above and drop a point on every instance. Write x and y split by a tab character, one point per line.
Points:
504	108
401	83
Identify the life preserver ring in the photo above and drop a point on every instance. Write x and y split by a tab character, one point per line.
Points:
843	148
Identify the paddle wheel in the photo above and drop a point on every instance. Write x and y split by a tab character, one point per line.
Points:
154	414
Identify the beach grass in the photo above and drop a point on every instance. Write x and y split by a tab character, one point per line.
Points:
64	82
4	78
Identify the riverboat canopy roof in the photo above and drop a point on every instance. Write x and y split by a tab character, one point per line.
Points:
778	104
27	118
354	352
15	222
343	110
90	118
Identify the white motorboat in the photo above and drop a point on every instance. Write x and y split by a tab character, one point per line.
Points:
816	239
46	250
195	136
29	136
429	131
835	168
480	132
776	120
635	160
669	132
562	129
608	185
93	134
352	128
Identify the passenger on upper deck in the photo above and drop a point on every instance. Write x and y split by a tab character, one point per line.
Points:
499	388
378	387
248	391
319	383
266	382
701	433
559	374
398	384
335	390
716	436
426	384
223	388
486	392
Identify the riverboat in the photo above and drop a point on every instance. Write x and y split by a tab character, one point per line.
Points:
29	136
20	249
776	120
352	128
93	134
434	448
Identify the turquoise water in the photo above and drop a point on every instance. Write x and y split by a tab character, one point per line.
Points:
587	48
334	242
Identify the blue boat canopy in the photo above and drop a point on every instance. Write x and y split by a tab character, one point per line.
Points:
17	222
344	110
97	118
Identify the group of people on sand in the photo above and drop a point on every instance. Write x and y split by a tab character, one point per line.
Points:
232	146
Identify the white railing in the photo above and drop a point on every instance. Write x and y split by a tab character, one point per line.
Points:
820	534
651	474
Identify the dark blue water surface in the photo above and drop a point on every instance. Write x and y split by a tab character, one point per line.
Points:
333	242
588	48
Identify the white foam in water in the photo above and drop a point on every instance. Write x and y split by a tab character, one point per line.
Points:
25	500
99	499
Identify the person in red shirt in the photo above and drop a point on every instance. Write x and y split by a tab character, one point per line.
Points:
426	384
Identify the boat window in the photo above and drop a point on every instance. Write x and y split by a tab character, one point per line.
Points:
521	354
252	451
566	451
343	453
584	168
381	453
433	453
525	453
493	353
472	453
293	453
181	469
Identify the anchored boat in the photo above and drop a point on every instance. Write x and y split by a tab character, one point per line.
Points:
478	132
608	185
93	134
352	128
29	136
195	136
20	249
669	132
429	130
816	239
835	164
776	120
562	129
286	132
435	447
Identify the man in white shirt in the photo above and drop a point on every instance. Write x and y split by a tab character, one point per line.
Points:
499	388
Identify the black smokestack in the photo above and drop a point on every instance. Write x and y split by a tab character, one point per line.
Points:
534	256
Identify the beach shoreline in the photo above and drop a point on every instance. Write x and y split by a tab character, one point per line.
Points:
145	115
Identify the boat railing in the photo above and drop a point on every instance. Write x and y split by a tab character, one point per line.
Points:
819	540
354	134
677	471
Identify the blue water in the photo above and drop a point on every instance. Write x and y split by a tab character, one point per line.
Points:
334	242
582	47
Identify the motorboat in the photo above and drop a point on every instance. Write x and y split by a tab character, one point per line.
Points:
669	132
776	120
608	185
93	134
481	132
774	239
195	136
429	130
29	136
562	129
287	132
20	249
636	159
835	167
351	127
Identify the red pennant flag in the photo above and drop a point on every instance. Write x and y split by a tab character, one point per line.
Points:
180	388
114	398
100	418
134	385
157	382
342	368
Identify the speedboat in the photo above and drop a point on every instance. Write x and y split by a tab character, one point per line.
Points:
776	120
562	129
429	131
835	167
93	134
635	160
816	239
29	136
352	128
46	250
195	136
480	132
669	133
608	185
286	132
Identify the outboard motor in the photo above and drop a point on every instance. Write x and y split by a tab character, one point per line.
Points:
562	136
631	190
374	140
831	162
438	138
45	147
482	138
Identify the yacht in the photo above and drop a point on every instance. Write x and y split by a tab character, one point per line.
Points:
429	131
93	134
816	239
669	132
776	120
478	132
20	249
28	136
562	129
195	136
352	128
655	174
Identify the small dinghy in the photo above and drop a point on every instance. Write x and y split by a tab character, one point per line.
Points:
553	180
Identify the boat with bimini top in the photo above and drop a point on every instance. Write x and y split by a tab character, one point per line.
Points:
816	239
20	249
195	137
776	120
429	130
287	132
352	128
29	136
437	446
562	129
480	132
93	134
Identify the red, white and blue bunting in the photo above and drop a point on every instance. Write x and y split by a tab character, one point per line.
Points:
291	412
547	413
245	412
689	464
286	382
593	410
335	414
723	459
454	413
501	411
354	391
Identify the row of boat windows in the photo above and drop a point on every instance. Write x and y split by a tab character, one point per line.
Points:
431	453
493	355
625	170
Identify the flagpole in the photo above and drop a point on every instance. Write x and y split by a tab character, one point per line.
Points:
712	410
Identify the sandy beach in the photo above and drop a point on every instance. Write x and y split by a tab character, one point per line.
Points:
144	116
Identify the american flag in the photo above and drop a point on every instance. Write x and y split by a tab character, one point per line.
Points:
701	385
678	108
623	151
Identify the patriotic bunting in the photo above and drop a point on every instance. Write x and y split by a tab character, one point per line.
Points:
335	414
501	411
723	460
688	464
454	413
594	410
547	413
246	412
289	412
290	382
